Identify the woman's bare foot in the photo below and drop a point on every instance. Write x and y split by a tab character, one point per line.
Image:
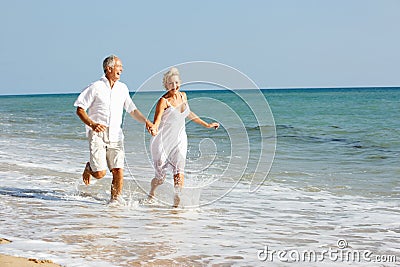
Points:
177	199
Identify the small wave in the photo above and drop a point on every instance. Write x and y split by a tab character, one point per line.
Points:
31	193
260	127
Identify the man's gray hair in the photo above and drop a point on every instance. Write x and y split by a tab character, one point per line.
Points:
109	62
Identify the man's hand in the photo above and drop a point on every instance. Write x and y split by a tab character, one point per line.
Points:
97	127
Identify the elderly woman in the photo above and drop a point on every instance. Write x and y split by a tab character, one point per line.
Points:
169	142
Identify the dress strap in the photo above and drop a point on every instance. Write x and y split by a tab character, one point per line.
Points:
168	104
183	99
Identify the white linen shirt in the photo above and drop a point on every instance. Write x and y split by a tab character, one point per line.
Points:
106	105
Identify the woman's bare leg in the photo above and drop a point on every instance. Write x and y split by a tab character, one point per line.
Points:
154	184
178	185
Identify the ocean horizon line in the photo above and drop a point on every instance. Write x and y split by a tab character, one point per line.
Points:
234	89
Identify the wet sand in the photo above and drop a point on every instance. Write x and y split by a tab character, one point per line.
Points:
12	261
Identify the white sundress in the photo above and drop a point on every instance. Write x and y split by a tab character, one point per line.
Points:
169	147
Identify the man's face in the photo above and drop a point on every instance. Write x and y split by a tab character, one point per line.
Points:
114	73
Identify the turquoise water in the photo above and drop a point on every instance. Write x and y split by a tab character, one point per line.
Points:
335	174
344	141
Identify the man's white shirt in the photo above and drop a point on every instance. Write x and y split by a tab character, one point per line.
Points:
106	105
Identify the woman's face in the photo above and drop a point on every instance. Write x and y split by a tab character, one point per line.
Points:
173	84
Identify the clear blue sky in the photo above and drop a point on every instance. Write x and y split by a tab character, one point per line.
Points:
52	46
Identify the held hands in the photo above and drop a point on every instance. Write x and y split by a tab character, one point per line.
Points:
151	128
97	127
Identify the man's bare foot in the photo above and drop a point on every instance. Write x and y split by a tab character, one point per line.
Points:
117	200
177	199
86	174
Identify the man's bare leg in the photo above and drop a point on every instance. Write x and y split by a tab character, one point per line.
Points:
88	173
117	183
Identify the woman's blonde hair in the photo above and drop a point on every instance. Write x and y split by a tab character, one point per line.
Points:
172	72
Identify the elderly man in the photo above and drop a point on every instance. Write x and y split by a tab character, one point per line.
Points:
105	99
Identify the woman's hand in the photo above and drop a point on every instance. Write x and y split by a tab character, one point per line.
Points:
214	125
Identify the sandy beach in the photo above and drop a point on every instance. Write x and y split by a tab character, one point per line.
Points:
11	261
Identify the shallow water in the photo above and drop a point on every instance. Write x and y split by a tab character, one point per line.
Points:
335	176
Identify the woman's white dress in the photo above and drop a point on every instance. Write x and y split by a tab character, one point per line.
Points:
169	147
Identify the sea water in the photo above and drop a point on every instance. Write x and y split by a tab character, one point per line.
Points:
327	168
